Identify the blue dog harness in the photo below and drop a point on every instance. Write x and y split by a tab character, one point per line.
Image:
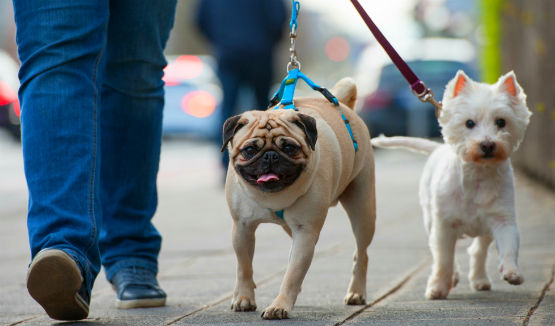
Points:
286	91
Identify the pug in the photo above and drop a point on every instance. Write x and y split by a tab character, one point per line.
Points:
288	167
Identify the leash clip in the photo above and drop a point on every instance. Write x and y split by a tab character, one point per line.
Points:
427	96
293	61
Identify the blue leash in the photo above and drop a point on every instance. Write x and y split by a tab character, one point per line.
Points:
286	90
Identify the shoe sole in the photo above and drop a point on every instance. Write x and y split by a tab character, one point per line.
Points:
140	303
54	280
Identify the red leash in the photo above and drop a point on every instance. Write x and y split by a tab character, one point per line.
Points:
418	87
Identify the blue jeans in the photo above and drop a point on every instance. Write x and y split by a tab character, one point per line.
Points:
92	98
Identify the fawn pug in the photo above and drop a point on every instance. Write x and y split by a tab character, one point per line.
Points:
288	167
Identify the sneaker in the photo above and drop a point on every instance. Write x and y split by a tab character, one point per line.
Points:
137	287
54	280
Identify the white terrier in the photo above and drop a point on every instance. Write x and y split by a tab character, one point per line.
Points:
467	185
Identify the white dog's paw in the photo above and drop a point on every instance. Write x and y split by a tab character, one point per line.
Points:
438	289
243	304
274	312
354	299
439	286
480	284
513	277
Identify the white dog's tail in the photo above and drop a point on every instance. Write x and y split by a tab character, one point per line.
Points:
420	145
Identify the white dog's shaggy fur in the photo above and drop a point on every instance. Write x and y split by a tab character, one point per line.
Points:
467	184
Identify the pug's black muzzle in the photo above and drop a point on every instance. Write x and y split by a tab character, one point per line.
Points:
270	163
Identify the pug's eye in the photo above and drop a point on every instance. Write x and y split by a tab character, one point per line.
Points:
470	124
290	149
500	123
249	152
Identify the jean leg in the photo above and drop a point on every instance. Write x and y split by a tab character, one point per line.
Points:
59	52
131	122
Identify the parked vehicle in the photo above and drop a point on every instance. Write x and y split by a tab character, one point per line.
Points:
193	98
9	103
386	102
392	109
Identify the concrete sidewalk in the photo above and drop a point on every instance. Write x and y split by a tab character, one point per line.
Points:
197	263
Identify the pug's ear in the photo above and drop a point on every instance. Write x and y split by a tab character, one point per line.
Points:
308	126
231	126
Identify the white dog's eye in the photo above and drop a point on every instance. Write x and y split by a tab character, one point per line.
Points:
500	123
470	124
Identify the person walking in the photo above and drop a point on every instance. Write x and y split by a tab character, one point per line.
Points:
91	116
244	34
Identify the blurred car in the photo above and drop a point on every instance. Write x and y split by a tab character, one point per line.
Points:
193	98
9	103
392	109
386	102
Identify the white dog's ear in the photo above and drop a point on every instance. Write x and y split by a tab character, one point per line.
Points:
457	84
508	84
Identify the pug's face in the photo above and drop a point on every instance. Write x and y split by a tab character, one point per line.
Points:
270	149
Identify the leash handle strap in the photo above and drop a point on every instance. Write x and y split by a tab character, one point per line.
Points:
415	84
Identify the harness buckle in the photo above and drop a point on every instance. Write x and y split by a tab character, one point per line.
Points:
293	64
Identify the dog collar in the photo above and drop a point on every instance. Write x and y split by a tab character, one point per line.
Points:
279	214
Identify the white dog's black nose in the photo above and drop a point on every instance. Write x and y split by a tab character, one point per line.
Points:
487	147
270	157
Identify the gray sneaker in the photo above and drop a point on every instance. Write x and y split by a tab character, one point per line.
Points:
54	280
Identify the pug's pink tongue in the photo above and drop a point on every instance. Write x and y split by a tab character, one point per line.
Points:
267	177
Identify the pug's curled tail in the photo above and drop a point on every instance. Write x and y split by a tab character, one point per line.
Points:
420	145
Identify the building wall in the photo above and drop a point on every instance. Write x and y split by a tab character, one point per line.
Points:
527	47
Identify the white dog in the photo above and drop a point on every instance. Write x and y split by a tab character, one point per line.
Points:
467	184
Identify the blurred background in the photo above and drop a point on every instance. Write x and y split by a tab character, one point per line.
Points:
485	38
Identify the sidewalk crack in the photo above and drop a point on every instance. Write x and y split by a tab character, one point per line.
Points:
333	249
392	291
540	299
23	321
